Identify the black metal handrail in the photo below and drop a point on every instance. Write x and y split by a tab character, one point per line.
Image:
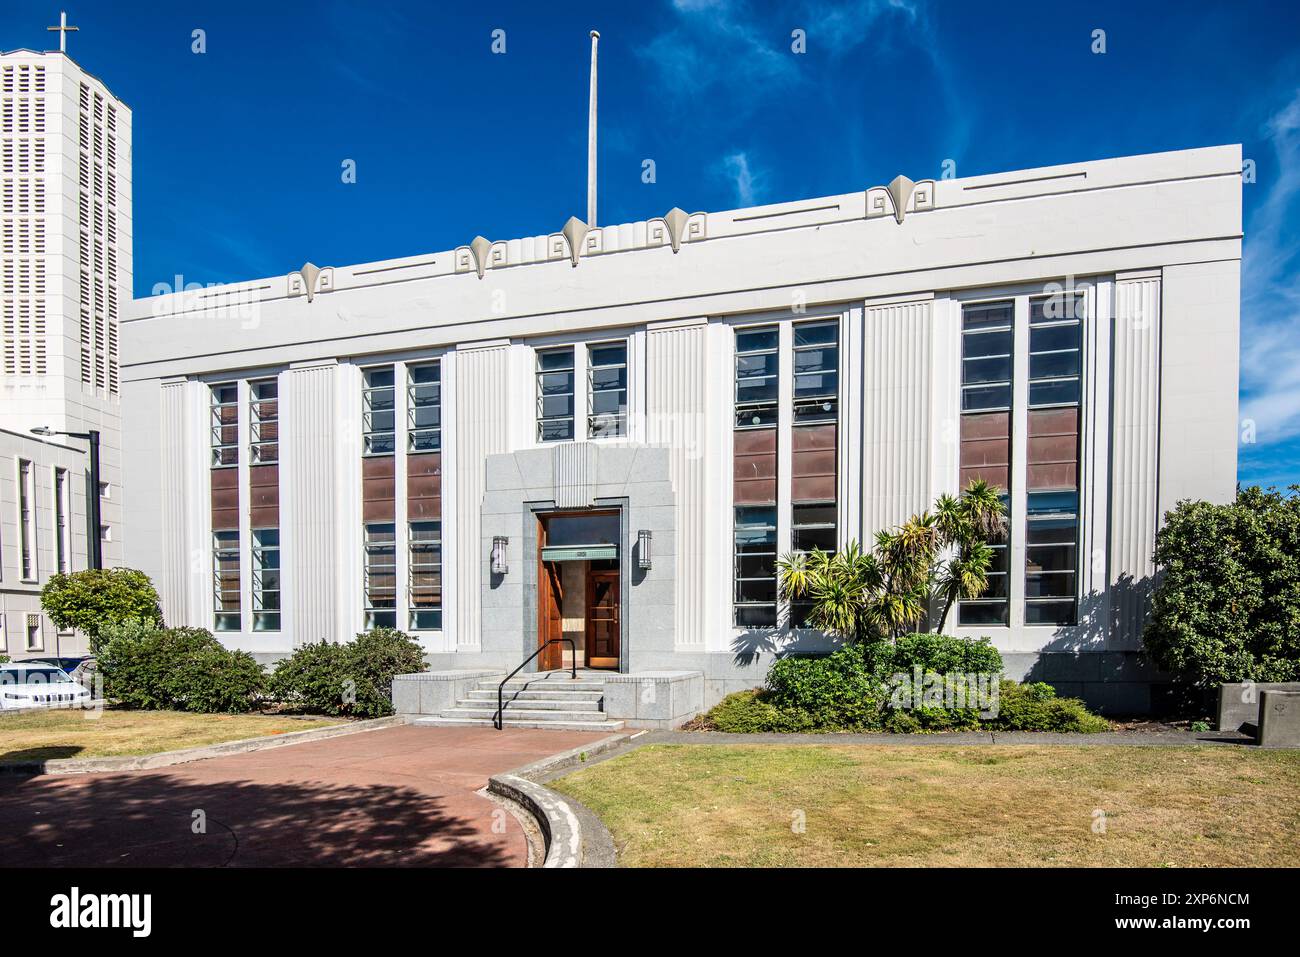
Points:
499	718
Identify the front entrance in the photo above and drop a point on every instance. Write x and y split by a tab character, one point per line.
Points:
578	590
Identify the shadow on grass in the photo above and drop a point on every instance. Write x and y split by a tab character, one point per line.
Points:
165	820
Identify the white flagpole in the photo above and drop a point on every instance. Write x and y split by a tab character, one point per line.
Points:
591	138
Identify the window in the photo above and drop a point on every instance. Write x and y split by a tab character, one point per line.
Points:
814	433
380	575
1052	468
425	572
424	407
62	509
225	580
555	395
607	389
987	345
264	421
27	519
266	579
225	425
377	419
755	565
757	396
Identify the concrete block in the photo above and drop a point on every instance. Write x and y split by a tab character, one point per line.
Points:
432	692
654	699
1279	719
1239	703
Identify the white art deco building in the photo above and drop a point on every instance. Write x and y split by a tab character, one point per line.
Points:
610	433
65	279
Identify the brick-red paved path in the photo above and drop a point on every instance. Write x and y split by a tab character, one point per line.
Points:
396	796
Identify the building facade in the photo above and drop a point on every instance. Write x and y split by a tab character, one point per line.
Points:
65	279
609	434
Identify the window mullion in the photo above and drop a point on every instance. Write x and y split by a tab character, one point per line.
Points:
1019	468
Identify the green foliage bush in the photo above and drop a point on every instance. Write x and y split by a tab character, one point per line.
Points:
353	679
1227	606
751	712
1035	707
185	669
91	599
851	690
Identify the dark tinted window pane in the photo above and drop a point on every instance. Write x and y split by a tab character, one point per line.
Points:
979	398
808	334
614	377
756	616
986	344
1049	613
1049	338
806	539
556	431
1050	364
983	315
986	370
982	613
763	415
608	355
1050	585
559	359
1056	308
582	529
756	390
1054	393
553	382
765	364
752	340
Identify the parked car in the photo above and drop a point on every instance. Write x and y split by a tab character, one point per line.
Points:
28	684
69	665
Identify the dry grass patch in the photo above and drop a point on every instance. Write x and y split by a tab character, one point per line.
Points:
928	806
73	733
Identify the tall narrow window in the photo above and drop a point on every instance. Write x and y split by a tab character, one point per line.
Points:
424	497
425	544
225	579
814	436
264	502
1052	468
264	421
225	425
424	407
224	482
380	575
987	344
62	509
266	579
555	395
377	421
27	518
607	389
757	408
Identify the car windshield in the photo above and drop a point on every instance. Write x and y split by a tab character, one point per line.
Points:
33	676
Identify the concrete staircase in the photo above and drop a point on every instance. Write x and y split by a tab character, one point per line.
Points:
548	699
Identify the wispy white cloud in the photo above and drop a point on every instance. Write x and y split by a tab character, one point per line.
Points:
1270	339
747	181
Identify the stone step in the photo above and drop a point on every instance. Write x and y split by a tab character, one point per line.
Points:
543	704
543	685
536	714
536	694
511	722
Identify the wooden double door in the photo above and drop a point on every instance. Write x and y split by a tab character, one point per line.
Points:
601	644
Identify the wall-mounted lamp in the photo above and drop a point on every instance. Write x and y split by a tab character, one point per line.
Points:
498	559
643	539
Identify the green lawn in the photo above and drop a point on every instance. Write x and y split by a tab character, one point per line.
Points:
73	733
934	806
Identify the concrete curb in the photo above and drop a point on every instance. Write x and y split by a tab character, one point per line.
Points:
575	837
144	762
959	738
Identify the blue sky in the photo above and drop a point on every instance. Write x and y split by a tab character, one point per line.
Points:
238	151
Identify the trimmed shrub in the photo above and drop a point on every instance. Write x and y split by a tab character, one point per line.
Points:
354	679
749	712
91	599
1035	707
837	692
941	654
185	669
1228	600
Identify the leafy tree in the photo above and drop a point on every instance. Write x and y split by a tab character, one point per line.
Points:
1227	601
937	556
88	600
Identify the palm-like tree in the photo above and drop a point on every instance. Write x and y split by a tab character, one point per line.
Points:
854	593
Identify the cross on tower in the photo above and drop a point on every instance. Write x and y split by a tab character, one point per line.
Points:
63	29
